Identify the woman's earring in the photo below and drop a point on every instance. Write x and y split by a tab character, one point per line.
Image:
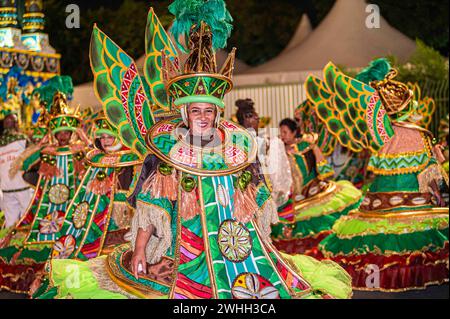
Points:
217	119
184	116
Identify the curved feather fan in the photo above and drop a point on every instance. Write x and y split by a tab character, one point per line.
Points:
121	90
351	110
158	48
312	124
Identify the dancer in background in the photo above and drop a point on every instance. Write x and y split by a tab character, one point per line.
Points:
398	238
316	202
201	189
271	155
98	217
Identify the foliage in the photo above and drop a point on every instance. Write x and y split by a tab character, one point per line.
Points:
425	64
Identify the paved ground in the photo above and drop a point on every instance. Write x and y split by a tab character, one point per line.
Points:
433	292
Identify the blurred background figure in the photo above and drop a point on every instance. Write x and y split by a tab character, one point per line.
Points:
15	193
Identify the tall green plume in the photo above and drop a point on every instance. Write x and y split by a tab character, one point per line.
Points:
376	71
213	12
59	83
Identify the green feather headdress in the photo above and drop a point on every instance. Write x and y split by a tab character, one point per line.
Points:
192	12
53	95
376	71
60	83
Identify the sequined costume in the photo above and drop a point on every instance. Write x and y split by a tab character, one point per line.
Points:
200	198
398	238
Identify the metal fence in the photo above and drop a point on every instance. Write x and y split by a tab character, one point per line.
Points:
439	91
279	101
274	101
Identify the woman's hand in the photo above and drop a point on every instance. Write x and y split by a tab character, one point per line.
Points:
138	259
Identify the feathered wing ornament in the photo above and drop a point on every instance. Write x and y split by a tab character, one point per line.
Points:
321	96
159	51
312	124
352	110
121	90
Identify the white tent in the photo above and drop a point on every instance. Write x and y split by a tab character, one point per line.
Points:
344	38
304	29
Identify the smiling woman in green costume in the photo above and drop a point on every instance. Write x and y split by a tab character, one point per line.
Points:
201	190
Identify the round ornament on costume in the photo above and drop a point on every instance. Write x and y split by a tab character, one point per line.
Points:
234	240
59	194
253	286
52	223
80	215
64	247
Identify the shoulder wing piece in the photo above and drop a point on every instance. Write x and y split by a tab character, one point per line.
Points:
119	87
159	50
352	110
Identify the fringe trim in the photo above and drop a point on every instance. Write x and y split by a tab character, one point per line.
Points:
189	206
162	186
16	166
266	217
98	268
161	241
79	167
49	171
245	206
101	187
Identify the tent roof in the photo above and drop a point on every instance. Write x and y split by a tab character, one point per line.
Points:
84	95
304	29
343	38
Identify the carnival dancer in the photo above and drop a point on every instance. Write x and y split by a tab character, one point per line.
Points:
398	238
99	216
316	202
200	190
15	193
61	166
271	155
